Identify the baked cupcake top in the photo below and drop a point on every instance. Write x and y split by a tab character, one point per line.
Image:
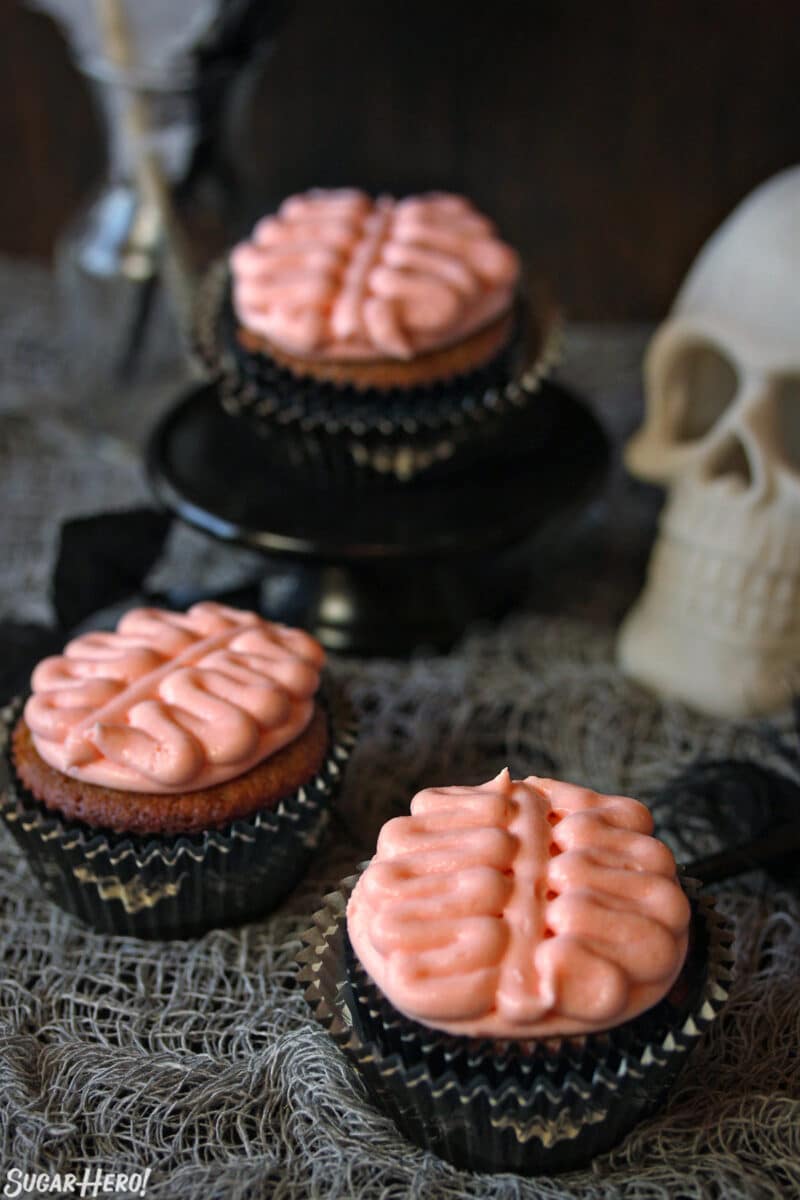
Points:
520	909
335	275
173	701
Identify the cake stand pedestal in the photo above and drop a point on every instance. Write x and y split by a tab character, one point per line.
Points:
383	569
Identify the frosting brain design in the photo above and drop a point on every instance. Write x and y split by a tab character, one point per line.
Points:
520	909
172	702
337	275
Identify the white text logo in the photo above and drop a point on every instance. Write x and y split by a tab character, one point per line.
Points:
92	1183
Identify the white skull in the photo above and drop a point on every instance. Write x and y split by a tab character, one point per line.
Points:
718	622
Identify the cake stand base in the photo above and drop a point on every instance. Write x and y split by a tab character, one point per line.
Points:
384	569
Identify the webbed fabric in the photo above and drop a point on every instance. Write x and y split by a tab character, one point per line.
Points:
201	1058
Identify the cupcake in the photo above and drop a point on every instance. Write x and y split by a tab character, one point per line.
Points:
175	774
374	336
519	973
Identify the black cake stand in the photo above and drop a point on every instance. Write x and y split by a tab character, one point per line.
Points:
380	569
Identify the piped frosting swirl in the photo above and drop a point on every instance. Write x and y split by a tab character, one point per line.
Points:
520	910
173	702
336	275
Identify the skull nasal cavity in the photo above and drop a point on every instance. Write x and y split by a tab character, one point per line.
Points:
730	461
701	385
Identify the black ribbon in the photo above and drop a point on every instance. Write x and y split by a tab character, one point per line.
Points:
102	560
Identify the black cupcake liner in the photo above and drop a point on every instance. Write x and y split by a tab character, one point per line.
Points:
535	1107
176	886
349	435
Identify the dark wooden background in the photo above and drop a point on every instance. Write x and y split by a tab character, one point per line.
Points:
607	139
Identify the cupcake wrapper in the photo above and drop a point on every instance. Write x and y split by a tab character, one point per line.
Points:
348	435
178	886
528	1107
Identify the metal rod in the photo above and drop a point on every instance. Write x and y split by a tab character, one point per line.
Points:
149	171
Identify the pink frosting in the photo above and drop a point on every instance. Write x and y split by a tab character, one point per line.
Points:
520	910
337	275
172	702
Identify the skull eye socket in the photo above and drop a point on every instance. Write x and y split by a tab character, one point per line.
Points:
788	409
700	386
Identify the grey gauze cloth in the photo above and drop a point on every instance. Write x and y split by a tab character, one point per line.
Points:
200	1059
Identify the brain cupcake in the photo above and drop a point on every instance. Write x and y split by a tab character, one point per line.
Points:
518	973
387	293
387	330
175	773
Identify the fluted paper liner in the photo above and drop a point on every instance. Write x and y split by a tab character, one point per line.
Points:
535	1107
349	435
177	886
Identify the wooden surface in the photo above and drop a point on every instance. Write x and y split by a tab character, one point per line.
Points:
50	137
607	140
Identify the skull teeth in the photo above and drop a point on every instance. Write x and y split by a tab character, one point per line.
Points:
693	584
